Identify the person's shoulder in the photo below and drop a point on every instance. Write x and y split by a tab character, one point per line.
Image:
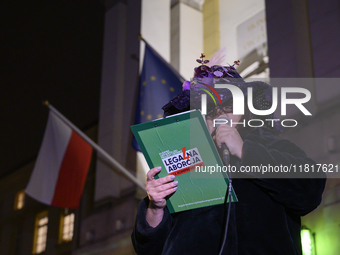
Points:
272	141
261	135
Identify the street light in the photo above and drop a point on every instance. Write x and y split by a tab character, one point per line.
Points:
307	241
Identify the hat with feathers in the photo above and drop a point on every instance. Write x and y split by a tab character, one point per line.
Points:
212	72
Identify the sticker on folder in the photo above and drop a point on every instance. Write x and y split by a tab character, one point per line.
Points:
180	162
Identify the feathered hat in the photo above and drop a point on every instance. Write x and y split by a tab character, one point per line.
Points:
209	73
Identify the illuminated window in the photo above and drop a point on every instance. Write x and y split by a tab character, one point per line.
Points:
19	201
40	235
66	227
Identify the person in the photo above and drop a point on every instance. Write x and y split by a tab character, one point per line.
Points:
266	218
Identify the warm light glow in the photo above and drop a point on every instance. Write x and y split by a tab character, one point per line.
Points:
40	233
19	200
307	242
68	226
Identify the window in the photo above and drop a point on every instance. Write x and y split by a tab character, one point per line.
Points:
66	226
40	233
19	201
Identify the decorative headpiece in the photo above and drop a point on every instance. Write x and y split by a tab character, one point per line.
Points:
190	97
215	70
202	61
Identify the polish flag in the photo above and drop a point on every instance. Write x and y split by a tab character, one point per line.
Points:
61	168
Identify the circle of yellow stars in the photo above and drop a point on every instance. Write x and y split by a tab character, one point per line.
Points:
153	78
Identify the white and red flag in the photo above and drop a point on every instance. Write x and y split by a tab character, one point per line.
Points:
62	165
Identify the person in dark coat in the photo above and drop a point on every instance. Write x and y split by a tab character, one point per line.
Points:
266	218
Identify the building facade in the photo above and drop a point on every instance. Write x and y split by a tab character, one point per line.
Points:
274	40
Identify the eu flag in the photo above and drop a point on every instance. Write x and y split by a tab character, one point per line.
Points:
159	83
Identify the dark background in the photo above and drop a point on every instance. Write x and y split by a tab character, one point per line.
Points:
50	50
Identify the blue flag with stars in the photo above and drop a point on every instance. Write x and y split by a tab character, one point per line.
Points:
159	83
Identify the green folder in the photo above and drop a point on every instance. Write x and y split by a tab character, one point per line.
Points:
181	144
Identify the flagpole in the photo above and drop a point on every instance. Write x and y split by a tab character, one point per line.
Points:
95	146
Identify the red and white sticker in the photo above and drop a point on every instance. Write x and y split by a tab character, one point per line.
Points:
182	162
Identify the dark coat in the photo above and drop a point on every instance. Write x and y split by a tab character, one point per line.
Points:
266	220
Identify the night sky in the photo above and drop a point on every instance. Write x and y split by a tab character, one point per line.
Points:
49	50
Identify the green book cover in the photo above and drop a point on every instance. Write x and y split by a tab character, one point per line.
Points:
181	144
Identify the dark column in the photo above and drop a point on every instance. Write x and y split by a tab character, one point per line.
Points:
118	87
289	41
290	48
107	228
